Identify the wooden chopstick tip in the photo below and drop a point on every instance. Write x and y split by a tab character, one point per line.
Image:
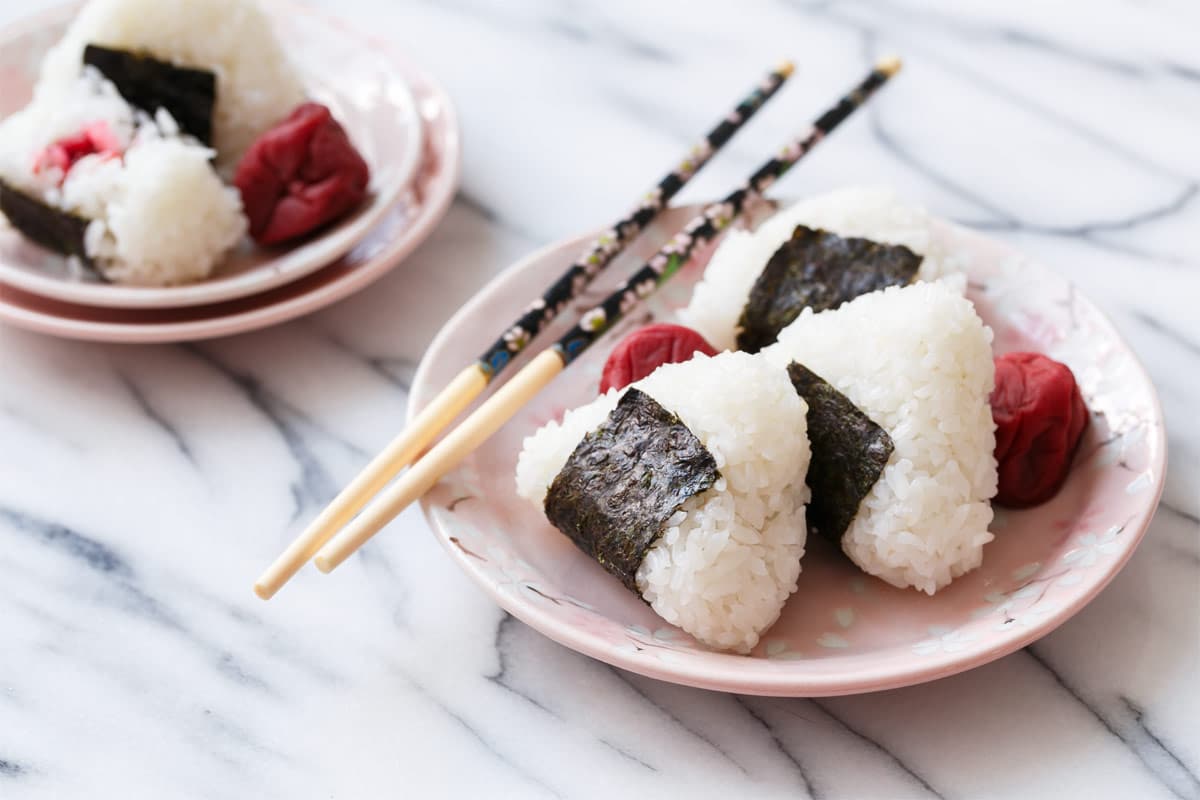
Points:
786	68
888	65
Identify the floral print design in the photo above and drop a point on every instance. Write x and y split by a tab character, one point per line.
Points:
698	156
943	640
833	641
721	214
781	650
629	299
705	227
594	320
1004	604
653	199
1025	619
645	288
664	643
516	338
1092	547
605	248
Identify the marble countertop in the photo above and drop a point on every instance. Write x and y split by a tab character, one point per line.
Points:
143	488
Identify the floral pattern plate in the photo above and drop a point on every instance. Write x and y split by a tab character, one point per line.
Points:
843	631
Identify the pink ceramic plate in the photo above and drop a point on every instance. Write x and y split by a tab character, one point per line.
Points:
362	84
842	631
404	225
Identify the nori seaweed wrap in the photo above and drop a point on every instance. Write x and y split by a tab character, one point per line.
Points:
819	270
849	452
623	482
50	227
188	94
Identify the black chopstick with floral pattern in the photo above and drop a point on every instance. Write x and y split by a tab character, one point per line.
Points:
476	376
609	244
551	362
715	218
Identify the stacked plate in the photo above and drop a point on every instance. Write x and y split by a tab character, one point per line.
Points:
400	120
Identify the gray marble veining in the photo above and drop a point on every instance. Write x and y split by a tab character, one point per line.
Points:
143	488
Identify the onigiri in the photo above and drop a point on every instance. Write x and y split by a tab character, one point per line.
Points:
721	563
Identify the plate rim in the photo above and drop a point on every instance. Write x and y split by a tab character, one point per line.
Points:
432	209
288	266
781	684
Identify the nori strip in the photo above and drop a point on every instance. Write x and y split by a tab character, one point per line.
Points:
48	226
849	452
821	270
624	480
188	94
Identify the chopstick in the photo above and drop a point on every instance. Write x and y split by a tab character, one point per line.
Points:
474	378
531	379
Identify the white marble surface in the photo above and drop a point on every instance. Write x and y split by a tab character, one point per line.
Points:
143	488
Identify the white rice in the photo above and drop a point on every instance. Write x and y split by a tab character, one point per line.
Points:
918	361
159	215
23	134
256	86
729	558
875	213
165	217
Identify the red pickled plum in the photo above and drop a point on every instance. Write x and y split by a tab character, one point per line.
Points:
647	349
1040	417
299	176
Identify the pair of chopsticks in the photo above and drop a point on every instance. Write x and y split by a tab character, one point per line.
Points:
336	533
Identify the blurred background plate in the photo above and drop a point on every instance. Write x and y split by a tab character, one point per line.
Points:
364	86
408	222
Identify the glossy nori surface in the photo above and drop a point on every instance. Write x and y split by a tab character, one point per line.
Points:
849	452
48	226
821	270
624	480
